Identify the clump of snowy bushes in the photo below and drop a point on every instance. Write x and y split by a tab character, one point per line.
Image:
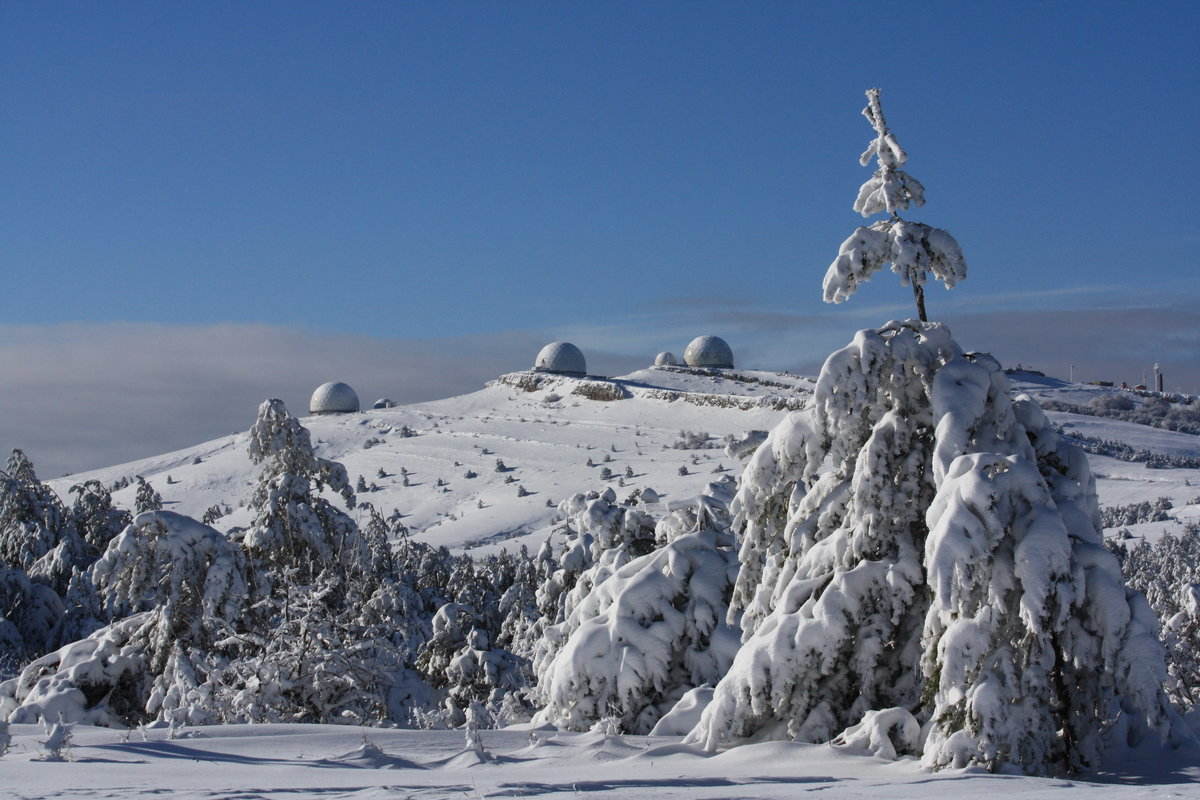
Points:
1124	452
1159	411
645	620
1136	513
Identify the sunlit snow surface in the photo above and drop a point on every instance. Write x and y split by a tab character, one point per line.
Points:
305	762
544	437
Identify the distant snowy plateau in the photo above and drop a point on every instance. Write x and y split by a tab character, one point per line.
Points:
485	471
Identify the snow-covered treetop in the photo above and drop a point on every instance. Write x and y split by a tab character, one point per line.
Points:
912	248
889	188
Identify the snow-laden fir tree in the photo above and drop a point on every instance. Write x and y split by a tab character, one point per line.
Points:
600	536
295	528
647	629
94	517
917	542
29	614
912	248
147	497
32	518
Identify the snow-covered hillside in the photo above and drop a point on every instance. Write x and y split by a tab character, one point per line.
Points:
546	437
540	426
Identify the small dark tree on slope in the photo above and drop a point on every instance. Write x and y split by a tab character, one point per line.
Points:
912	248
147	498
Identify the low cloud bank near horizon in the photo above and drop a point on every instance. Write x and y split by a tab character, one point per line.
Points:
83	396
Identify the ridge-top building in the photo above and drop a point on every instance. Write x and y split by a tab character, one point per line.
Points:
334	397
561	358
708	351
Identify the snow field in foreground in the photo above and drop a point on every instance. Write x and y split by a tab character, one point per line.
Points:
307	762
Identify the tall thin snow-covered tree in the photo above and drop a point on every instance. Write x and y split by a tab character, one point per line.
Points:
294	528
921	555
913	248
328	641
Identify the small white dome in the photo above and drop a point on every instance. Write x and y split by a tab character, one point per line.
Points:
665	360
384	402
708	351
561	357
334	397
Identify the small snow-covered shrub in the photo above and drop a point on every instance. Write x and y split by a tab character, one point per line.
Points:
57	743
887	733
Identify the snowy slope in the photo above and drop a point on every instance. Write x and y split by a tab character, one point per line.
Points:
545	438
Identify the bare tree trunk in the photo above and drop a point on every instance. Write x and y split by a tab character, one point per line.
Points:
919	294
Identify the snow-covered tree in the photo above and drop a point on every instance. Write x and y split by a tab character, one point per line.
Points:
29	612
31	516
912	248
647	632
326	630
295	528
147	498
94	517
915	539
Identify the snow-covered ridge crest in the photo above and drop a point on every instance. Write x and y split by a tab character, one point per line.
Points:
917	540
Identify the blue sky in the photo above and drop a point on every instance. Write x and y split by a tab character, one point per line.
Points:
625	175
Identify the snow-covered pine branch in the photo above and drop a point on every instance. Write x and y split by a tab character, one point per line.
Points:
913	249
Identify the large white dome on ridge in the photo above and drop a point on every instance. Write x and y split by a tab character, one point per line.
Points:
561	357
334	397
708	351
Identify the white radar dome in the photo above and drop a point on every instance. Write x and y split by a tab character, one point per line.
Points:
708	351
334	397
665	360
563	358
